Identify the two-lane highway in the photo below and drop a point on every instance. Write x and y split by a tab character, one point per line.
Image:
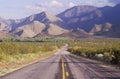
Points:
63	65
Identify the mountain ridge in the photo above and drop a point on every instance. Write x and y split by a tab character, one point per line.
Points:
85	20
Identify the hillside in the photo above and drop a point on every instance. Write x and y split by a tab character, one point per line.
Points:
75	34
29	30
4	25
38	23
92	21
6	35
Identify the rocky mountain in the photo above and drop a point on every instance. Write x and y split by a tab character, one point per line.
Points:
99	28
76	12
110	22
55	30
75	17
43	35
4	34
4	25
38	23
78	33
96	21
43	17
76	22
30	29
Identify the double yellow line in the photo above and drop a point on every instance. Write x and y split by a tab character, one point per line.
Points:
64	74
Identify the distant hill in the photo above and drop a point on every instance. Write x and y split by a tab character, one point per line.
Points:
78	33
38	23
77	22
43	17
4	25
30	30
6	35
93	20
43	35
76	16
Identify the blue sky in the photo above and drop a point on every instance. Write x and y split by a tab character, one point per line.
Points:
15	9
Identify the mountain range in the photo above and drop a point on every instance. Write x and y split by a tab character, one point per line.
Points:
77	22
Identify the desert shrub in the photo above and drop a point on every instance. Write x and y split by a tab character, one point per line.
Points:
10	50
91	48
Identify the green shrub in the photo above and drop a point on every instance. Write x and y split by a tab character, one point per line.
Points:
109	48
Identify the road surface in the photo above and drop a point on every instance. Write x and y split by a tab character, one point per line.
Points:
63	65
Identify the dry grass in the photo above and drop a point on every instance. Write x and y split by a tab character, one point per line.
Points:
15	55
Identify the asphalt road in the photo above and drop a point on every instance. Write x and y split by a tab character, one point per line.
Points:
63	65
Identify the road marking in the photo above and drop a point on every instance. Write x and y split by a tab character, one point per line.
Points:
63	69
67	74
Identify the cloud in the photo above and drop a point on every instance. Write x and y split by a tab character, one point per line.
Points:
71	4
52	6
35	7
53	3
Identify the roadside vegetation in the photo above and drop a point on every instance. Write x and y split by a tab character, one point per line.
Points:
106	50
44	39
17	54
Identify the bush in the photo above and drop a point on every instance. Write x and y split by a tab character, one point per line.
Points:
91	48
12	49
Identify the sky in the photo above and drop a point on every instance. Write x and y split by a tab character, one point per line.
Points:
17	9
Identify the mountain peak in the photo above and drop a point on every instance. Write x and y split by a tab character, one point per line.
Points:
43	17
44	14
77	11
84	6
82	19
46	17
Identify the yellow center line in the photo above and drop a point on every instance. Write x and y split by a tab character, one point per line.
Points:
67	74
64	73
63	69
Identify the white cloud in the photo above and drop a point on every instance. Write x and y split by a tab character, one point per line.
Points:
52	6
53	3
35	7
71	4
